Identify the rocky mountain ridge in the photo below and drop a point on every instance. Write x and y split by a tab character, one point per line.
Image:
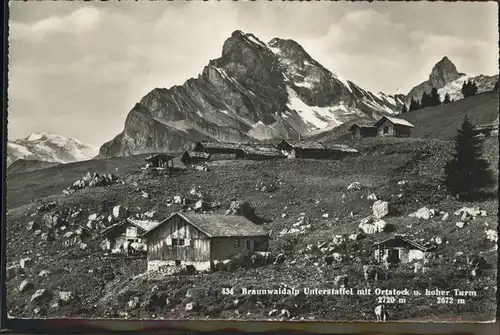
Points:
49	148
445	77
254	91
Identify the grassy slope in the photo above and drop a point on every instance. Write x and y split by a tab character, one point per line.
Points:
439	122
24	165
383	163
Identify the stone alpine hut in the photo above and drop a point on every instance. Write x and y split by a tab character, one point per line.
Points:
400	249
317	150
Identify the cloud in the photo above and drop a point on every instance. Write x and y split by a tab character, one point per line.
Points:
78	21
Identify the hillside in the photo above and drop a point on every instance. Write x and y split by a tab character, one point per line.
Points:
255	90
440	122
24	165
105	285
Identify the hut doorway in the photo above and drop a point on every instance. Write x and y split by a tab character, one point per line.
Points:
393	256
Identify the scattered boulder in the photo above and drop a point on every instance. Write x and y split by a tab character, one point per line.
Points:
134	302
25	285
402	182
93	180
372	197
356	236
66	296
44	273
37	232
93	217
354	186
472	211
25	262
30	225
273	312
492	235
40	296
46	207
380	209
177	199
445	217
326	215
381	225
189	306
423	213
12	271
460	224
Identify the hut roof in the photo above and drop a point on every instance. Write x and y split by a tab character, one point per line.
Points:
145	225
394	120
262	151
319	145
197	154
216	225
220	145
405	239
364	125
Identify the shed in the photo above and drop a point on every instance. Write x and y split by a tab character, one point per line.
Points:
160	161
360	131
318	150
400	249
125	231
198	239
220	150
194	157
391	126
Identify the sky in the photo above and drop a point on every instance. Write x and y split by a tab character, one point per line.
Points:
77	68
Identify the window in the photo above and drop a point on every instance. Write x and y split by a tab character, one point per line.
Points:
386	130
177	241
236	243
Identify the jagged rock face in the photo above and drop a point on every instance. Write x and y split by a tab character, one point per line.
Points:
254	91
443	73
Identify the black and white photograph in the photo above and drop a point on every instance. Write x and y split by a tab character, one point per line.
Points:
252	160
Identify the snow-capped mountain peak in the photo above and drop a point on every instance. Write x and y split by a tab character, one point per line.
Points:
50	148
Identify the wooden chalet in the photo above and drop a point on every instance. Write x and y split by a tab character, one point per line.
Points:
198	239
160	161
360	131
194	157
391	126
400	249
318	150
220	150
129	230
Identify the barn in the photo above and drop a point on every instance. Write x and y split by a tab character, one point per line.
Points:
220	150
317	150
361	131
391	126
129	230
194	157
198	239
400	249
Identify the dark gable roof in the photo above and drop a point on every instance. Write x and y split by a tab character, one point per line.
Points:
320	146
142	225
394	120
411	242
197	154
362	126
220	145
216	225
262	151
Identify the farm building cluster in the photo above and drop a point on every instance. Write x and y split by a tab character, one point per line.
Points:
385	126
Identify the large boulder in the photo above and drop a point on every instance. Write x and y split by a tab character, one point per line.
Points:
41	296
423	213
25	285
380	209
381	225
354	186
66	296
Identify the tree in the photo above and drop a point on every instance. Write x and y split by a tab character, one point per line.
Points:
446	99
434	98
469	88
414	104
425	101
467	173
404	109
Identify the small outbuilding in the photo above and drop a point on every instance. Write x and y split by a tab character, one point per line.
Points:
120	235
261	153
391	126
199	239
220	150
400	249
317	150
361	131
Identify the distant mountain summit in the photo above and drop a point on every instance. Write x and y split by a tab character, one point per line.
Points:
445	77
49	148
254	91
